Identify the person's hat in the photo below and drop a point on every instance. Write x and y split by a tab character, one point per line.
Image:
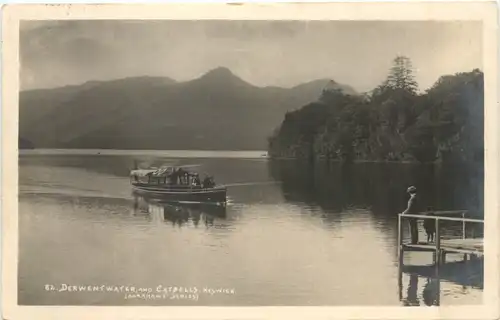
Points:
412	189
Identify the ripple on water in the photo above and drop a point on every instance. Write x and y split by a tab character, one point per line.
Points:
275	245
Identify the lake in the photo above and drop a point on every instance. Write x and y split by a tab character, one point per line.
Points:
289	235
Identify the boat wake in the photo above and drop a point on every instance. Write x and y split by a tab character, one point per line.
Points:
99	195
73	193
244	184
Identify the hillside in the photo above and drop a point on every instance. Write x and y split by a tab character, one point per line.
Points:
394	123
216	111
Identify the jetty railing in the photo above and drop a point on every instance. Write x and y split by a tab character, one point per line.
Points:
437	216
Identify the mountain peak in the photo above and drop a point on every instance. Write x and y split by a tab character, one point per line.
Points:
330	84
222	76
219	72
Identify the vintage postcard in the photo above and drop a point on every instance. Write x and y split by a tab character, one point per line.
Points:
250	161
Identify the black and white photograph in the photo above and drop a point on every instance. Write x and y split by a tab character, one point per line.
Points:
251	163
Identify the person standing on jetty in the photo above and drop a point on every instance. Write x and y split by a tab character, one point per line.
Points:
412	209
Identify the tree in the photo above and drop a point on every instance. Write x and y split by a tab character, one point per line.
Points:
401	75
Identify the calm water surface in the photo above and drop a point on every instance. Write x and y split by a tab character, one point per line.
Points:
288	236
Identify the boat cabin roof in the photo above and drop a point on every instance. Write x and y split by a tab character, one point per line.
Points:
159	172
141	172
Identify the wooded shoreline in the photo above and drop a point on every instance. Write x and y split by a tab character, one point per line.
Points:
393	123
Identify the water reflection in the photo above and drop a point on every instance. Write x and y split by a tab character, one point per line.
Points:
381	187
468	273
380	190
179	214
429	296
412	293
431	292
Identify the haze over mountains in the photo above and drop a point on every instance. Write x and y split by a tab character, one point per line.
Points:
217	111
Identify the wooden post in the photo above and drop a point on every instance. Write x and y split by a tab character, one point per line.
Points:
463	226
400	279
464	235
400	256
438	243
438	285
400	286
400	239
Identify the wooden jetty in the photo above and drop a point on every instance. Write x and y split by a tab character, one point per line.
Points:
470	247
464	245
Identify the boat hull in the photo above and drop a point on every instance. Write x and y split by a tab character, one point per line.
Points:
216	194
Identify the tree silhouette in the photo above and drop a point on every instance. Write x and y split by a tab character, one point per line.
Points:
401	75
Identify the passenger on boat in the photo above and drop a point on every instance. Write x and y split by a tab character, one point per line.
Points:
183	177
412	209
175	177
208	182
196	181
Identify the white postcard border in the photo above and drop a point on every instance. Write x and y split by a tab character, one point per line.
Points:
449	11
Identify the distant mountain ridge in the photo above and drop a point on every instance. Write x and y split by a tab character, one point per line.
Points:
218	111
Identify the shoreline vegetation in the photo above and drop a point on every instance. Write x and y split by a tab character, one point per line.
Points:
243	154
324	159
392	123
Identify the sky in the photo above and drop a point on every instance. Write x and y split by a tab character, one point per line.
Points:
263	53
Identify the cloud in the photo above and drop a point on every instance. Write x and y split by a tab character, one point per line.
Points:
282	53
